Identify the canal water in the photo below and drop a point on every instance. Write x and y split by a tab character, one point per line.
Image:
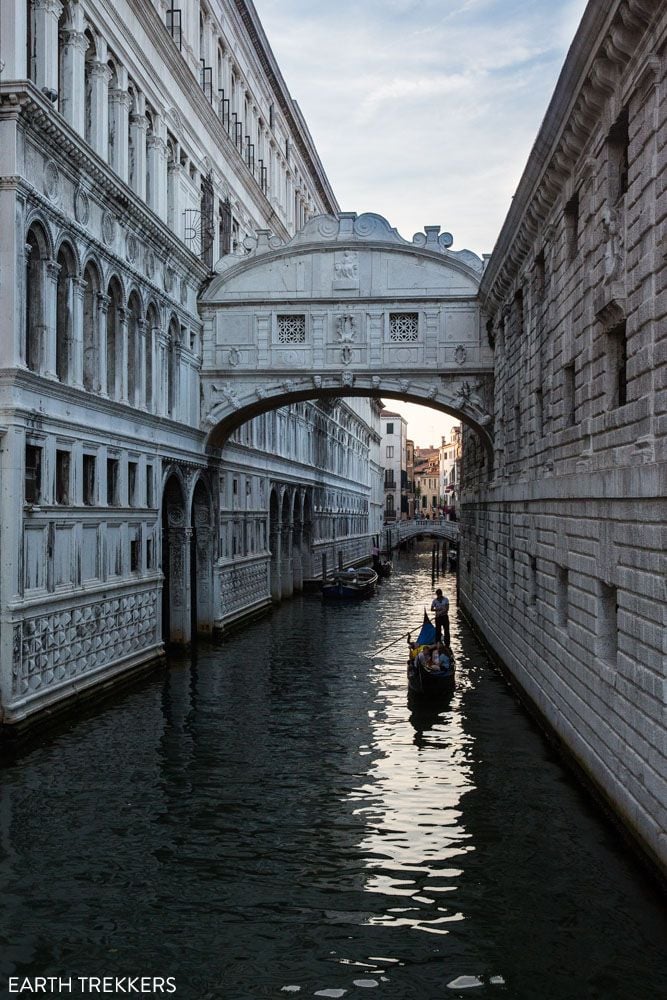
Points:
273	819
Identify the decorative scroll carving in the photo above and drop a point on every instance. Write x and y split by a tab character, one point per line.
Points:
81	206
51	181
108	228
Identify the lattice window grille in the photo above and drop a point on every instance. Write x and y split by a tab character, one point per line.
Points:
403	327
291	329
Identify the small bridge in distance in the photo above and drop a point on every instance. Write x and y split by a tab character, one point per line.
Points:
401	531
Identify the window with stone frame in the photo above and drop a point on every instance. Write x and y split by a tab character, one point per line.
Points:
33	474
617	355
89	482
403	327
62	492
291	329
113	498
572	226
618	142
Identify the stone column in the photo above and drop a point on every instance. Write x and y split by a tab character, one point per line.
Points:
76	345
122	360
46	14
156	157
174	215
140	399
152	339
176	383
276	563
286	580
180	539
138	127
73	73
48	347
14	20
297	556
162	373
119	124
21	327
99	75
102	310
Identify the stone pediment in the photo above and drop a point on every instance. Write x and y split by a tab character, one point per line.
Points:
366	258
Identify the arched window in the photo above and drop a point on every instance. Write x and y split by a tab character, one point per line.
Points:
64	312
134	353
36	256
91	379
114	339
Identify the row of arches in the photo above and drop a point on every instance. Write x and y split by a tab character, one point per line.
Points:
290	539
87	331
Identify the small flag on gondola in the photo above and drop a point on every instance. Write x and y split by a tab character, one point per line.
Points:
427	633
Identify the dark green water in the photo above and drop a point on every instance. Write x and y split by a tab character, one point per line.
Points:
273	820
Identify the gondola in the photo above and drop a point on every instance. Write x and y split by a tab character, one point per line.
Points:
383	567
350	585
422	682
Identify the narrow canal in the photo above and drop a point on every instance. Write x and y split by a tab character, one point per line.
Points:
272	819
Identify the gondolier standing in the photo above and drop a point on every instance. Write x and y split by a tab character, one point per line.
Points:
440	605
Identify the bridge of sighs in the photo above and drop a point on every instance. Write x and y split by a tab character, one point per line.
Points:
347	307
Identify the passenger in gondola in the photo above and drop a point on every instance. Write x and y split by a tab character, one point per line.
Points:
445	659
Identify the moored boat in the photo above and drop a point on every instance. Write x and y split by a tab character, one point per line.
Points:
350	585
422	681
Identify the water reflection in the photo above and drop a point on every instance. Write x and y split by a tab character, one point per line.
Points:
260	826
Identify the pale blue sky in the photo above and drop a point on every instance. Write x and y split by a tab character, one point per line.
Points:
423	110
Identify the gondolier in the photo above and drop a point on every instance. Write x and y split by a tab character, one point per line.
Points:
440	605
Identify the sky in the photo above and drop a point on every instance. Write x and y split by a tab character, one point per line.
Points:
423	111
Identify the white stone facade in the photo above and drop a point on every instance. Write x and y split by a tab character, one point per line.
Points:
135	152
563	565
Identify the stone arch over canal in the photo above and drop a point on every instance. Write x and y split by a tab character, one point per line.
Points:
347	307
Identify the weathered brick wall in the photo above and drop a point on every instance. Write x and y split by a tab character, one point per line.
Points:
563	553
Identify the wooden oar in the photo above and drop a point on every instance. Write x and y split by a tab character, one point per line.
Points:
404	635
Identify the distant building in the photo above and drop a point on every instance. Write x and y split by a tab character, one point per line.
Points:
427	481
394	452
450	468
410	451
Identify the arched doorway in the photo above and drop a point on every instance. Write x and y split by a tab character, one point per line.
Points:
175	564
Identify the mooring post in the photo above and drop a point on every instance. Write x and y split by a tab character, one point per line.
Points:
324	567
340	560
433	564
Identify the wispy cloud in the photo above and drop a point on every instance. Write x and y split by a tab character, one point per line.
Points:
423	110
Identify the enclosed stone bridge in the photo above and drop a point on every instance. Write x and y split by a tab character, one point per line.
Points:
347	307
